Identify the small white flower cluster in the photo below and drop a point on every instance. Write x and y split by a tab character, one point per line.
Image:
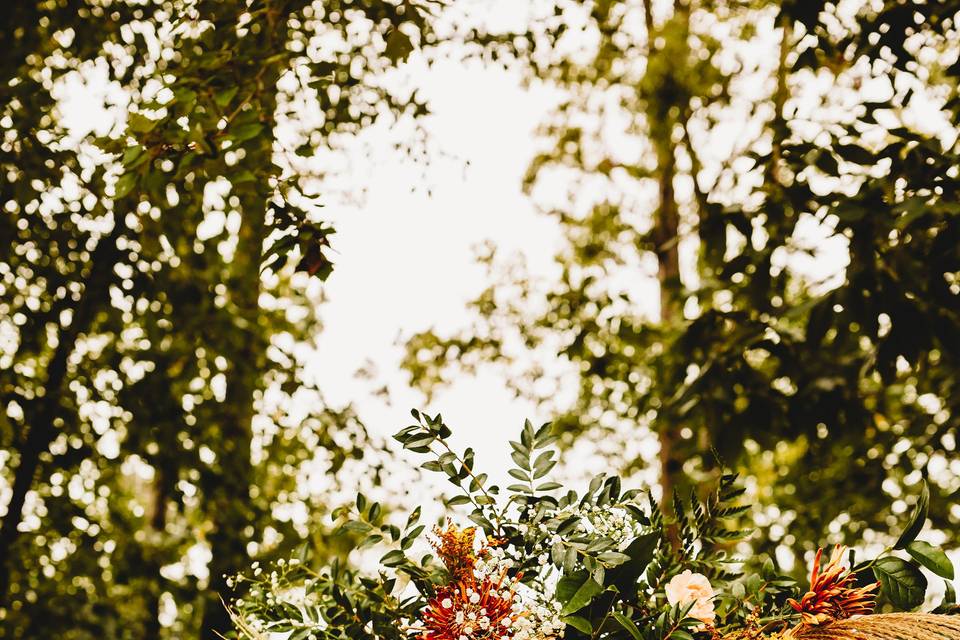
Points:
273	589
615	523
541	620
494	562
535	615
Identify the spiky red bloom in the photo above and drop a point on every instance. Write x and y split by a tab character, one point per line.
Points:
830	596
470	610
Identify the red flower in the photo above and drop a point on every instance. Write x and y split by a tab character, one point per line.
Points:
831	596
470	610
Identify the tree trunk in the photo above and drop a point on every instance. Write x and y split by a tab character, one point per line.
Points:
232	511
665	233
668	273
228	488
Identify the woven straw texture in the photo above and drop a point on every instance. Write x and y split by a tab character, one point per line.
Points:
885	626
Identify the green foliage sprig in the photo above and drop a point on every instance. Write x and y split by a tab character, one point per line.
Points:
603	563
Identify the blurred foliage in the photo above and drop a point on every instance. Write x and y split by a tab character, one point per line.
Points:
160	261
714	152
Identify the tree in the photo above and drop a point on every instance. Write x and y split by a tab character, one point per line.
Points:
679	172
150	365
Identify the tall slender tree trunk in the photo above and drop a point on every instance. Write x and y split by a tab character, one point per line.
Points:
228	489
232	510
665	234
668	274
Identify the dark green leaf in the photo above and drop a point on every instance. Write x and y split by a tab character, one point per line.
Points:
917	520
578	623
587	591
932	558
901	582
627	624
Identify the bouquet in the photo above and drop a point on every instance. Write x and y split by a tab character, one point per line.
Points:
535	562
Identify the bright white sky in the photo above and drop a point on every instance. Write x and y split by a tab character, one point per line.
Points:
405	259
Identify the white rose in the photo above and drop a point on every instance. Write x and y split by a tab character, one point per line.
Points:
692	587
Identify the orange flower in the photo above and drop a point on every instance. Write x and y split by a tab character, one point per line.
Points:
455	547
831	596
470	610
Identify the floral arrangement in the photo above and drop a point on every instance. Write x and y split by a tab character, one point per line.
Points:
536	562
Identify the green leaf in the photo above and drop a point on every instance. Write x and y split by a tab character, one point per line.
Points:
613	558
627	624
521	460
556	553
399	46
245	132
932	558
641	552
481	521
578	623
223	98
949	595
419	441
393	558
140	124
356	526
371	540
917	520
567	585
519	475
901	582
124	185
589	590
134	156
243	176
